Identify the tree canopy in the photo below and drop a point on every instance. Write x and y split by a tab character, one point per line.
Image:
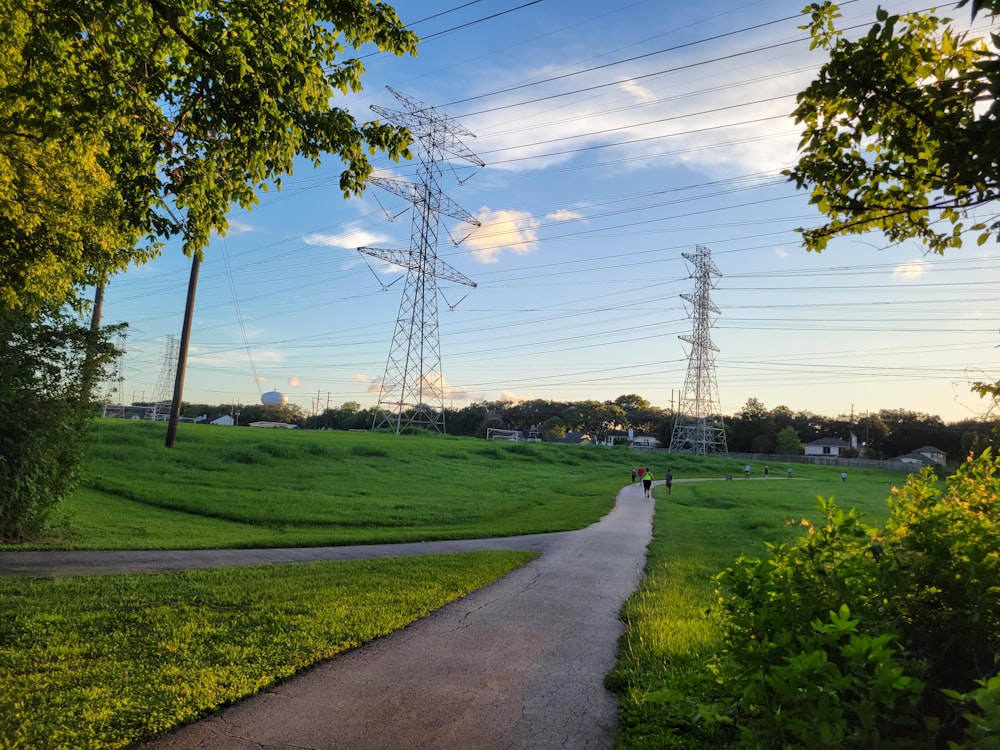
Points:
127	122
900	130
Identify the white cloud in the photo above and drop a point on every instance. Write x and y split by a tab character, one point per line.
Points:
294	381
352	238
503	230
697	115
514	398
240	227
564	214
912	269
360	378
637	92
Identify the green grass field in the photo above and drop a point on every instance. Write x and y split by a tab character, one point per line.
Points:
671	632
224	488
111	661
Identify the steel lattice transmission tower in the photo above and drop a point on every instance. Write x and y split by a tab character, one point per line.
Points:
412	391
698	424
164	384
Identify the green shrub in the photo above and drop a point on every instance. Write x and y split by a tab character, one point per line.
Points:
852	638
46	378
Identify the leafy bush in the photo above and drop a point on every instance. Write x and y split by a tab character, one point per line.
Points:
45	381
852	638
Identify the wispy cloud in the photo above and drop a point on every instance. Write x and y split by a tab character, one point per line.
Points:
564	214
912	269
350	239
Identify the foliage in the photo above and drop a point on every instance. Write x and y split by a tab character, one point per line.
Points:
112	661
885	434
552	430
125	122
667	697
46	369
788	443
982	713
900	130
857	633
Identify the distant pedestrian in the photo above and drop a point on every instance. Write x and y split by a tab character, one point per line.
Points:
789	473
633	474
647	481
668	482
746	471
843	476
766	471
642	473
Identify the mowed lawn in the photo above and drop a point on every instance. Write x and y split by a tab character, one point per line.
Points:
222	487
112	661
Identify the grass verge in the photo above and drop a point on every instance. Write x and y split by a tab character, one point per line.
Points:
111	661
665	691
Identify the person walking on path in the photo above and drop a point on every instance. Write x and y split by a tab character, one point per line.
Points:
668	481
789	472
647	481
766	471
746	471
642	473
633	474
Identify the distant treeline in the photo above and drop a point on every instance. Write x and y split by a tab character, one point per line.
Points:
754	429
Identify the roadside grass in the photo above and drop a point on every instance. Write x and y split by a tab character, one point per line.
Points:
661	678
226	488
109	661
112	661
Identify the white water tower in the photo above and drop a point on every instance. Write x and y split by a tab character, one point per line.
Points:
274	398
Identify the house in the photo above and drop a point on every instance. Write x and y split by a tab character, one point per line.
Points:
926	456
831	447
578	438
936	455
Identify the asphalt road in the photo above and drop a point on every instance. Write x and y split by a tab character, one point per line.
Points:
517	665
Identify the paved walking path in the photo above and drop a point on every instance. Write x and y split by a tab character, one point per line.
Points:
517	665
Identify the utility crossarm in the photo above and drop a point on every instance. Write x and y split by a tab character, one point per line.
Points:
408	191
411	262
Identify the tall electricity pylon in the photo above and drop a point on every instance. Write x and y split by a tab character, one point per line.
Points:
161	397
698	422
412	391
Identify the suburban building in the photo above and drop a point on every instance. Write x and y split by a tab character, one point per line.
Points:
832	447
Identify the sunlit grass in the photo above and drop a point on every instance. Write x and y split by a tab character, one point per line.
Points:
109	661
699	530
241	487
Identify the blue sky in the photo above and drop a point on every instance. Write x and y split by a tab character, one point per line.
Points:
616	137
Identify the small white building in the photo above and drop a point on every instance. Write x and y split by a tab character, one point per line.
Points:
830	447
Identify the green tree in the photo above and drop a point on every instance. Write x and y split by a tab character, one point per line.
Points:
900	130
44	413
126	122
753	429
788	443
553	430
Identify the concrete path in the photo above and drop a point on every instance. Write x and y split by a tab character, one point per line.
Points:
517	665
